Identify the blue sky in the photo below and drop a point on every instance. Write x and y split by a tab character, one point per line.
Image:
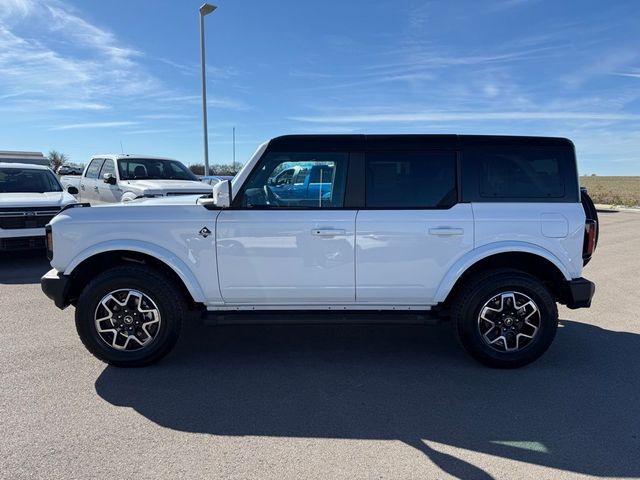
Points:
81	77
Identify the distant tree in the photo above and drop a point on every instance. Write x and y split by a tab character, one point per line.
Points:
216	169
197	169
57	159
594	175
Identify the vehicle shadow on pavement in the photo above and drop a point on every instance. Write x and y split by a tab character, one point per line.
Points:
576	409
23	267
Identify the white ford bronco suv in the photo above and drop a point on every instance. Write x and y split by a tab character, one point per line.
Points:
489	232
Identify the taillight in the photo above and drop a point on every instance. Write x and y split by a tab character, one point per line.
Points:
49	237
589	245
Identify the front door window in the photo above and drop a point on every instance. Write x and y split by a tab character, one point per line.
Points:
297	180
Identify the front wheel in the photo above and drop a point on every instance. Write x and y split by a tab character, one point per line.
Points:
505	318
130	316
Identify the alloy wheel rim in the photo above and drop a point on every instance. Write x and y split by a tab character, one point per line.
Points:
509	321
127	320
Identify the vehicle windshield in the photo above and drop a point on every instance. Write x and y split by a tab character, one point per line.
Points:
28	180
153	169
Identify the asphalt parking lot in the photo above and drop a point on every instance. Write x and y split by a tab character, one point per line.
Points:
325	402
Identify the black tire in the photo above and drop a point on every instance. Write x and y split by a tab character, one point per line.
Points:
478	290
152	283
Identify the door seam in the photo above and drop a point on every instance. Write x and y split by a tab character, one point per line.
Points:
355	257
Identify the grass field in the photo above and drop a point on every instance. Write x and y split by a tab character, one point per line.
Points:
623	191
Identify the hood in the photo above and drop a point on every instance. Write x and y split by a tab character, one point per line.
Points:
168	185
25	199
177	200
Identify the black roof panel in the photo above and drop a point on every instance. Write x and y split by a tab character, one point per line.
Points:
328	142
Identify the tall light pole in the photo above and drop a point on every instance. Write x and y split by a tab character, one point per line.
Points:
205	9
234	149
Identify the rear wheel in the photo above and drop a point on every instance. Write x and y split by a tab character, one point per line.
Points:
505	318
130	316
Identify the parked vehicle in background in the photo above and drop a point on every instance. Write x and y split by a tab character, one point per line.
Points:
298	181
69	169
31	158
213	179
488	232
122	178
30	196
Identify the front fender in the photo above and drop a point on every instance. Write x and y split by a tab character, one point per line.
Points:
475	255
161	254
128	196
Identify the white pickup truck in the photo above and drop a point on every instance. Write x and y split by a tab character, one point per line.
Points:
489	232
122	178
30	196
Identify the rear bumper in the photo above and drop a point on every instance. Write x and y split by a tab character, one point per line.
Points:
579	293
55	285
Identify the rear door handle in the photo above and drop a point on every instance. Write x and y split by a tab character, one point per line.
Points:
328	232
95	188
446	231
81	187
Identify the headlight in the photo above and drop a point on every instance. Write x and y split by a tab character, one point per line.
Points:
49	238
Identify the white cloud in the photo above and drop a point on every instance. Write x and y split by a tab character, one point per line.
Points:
10	8
506	4
212	101
462	116
632	75
56	79
149	131
79	106
165	116
491	90
78	126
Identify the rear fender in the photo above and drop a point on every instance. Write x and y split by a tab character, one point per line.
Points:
474	256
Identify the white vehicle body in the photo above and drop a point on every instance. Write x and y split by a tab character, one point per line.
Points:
23	214
390	223
261	261
94	188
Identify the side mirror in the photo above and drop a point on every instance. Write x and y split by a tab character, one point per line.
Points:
73	190
222	194
109	178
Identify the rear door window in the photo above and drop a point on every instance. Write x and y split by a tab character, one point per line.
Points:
94	168
412	180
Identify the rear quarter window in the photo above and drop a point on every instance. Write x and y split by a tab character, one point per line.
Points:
519	173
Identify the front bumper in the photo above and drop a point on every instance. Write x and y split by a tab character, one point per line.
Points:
15	243
579	293
55	285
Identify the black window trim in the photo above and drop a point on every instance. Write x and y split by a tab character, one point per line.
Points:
355	186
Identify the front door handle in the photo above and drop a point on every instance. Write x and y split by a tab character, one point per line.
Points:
95	188
446	231
328	232
81	187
